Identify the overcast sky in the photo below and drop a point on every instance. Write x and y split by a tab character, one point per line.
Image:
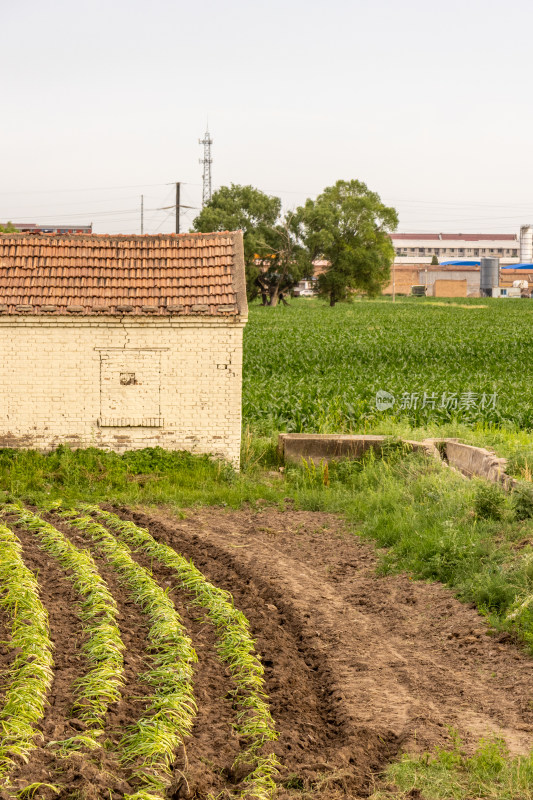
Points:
427	102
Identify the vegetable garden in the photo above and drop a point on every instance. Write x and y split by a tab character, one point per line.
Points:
146	749
127	669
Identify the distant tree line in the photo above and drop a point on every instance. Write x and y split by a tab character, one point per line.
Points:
8	228
347	226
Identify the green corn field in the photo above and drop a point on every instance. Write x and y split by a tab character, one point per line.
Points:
309	367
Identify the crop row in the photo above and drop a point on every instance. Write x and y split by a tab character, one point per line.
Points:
98	611
147	748
30	675
150	744
235	646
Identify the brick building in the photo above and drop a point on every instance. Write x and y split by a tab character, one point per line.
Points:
461	280
122	342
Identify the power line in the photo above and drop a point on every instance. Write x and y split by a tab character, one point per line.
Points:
165	219
87	189
73	203
474	219
458	205
116	212
207	142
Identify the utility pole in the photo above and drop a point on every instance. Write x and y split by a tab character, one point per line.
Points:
177	206
206	161
142	214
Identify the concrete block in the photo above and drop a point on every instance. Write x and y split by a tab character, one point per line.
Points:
476	461
319	447
470	461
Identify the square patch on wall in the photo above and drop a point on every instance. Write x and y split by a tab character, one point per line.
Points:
130	388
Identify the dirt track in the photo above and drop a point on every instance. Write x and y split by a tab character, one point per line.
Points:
358	667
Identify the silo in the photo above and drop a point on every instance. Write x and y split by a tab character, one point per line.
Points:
526	244
489	276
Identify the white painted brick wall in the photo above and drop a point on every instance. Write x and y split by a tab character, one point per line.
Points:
51	391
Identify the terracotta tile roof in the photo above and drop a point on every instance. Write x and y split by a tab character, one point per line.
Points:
190	273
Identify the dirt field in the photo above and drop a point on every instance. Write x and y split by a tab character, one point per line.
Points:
358	667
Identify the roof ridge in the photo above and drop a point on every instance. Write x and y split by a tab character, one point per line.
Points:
33	237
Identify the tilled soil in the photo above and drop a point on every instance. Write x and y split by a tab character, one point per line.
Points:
358	667
7	655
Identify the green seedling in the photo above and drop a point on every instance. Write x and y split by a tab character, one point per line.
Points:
30	675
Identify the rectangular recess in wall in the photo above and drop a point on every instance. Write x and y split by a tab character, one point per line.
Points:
130	388
125	422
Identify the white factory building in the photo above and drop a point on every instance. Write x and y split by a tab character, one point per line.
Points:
419	248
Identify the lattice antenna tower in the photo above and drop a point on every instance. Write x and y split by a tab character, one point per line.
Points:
206	161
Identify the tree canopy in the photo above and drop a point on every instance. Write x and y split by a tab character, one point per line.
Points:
8	228
349	226
273	255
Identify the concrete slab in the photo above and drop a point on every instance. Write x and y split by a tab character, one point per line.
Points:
477	461
468	460
319	447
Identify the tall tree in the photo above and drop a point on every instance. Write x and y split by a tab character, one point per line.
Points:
285	263
273	255
349	226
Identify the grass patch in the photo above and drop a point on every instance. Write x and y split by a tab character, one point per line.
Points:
490	773
151	476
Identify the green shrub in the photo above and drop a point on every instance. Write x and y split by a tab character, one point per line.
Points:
522	500
489	501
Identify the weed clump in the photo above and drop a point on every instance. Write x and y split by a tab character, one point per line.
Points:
523	501
489	502
489	773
